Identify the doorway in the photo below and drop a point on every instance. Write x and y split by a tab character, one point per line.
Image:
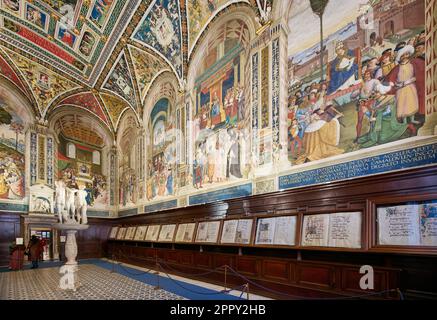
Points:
45	235
389	29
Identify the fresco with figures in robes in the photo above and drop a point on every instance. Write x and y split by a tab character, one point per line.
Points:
371	91
162	162
79	167
220	120
12	154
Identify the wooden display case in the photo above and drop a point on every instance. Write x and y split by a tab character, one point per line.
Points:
208	232
404	209
186	232
140	234
152	233
233	229
320	271
167	233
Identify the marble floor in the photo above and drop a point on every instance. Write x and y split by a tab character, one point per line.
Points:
96	284
200	284
208	287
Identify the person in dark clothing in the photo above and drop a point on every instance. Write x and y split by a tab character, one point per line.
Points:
34	250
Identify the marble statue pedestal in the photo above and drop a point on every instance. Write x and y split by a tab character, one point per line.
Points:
70	278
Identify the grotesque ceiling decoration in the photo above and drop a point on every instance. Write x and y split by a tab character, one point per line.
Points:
115	107
120	83
101	55
147	68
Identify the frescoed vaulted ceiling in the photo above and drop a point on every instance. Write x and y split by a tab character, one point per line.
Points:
101	55
79	128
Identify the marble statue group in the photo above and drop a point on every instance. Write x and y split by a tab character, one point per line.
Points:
71	204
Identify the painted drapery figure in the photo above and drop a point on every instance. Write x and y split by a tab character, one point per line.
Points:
343	70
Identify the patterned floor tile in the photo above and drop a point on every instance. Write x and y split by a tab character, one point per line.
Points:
96	284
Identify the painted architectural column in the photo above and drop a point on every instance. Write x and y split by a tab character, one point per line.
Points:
113	177
184	144
41	167
181	167
261	115
429	127
269	95
190	138
140	160
279	95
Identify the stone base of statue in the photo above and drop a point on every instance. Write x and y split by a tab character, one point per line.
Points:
70	278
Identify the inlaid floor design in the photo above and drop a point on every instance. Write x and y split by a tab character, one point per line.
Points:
96	284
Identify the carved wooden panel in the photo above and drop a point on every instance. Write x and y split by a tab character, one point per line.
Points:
247	266
316	275
276	270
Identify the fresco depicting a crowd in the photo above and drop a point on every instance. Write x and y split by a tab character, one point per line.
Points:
369	94
12	151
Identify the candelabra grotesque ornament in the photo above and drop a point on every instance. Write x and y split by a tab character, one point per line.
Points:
71	207
265	10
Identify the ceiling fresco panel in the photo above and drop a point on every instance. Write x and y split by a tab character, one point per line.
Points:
100	12
7	72
160	29
119	81
115	107
101	55
74	36
87	101
46	84
200	13
147	67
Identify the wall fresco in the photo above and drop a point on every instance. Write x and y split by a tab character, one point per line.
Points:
79	170
162	161
372	89
12	153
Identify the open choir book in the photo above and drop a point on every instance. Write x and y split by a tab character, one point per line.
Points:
276	231
408	225
237	231
339	230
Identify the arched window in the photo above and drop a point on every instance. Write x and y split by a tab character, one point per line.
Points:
96	157
71	150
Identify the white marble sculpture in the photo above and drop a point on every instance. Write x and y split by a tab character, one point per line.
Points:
71	204
41	199
60	201
81	206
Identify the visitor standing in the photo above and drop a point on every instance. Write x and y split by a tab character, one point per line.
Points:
34	250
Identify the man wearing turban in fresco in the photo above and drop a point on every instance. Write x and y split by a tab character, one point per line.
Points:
408	80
